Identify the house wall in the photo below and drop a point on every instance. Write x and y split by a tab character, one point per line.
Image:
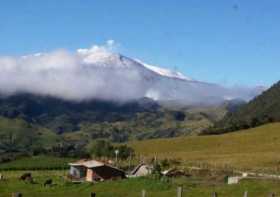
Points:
233	180
92	176
89	176
77	171
103	173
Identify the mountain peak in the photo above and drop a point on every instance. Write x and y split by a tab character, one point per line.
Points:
103	57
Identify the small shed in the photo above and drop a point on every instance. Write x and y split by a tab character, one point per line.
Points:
93	170
233	180
142	170
173	172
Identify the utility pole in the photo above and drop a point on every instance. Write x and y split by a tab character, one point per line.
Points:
117	153
130	160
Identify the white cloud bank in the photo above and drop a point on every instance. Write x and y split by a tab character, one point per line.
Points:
72	76
97	73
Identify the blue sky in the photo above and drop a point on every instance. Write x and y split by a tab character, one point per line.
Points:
222	41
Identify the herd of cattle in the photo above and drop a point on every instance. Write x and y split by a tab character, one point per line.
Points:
27	177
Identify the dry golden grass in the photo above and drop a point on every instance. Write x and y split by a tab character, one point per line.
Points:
253	149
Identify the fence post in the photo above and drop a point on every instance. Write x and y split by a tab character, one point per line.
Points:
272	195
180	191
215	194
143	193
245	194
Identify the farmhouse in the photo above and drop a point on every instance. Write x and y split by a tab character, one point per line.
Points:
92	171
142	170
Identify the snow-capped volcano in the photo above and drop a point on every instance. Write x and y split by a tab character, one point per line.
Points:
96	73
163	84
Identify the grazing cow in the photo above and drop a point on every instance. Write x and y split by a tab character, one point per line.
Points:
29	179
48	182
25	176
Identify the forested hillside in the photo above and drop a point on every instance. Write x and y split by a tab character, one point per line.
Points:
261	110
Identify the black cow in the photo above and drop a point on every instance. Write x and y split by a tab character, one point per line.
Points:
48	182
25	176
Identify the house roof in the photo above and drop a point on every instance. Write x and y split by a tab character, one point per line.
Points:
88	163
139	166
92	164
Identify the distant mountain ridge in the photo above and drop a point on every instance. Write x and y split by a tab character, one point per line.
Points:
116	121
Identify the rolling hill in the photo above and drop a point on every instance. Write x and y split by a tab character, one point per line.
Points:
256	149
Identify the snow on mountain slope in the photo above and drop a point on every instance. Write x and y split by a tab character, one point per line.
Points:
96	73
164	72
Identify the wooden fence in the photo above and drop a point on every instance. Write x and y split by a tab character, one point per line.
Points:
214	194
144	193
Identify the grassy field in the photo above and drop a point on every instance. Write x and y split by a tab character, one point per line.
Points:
193	187
255	149
36	163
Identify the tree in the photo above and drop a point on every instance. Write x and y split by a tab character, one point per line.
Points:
102	148
125	152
